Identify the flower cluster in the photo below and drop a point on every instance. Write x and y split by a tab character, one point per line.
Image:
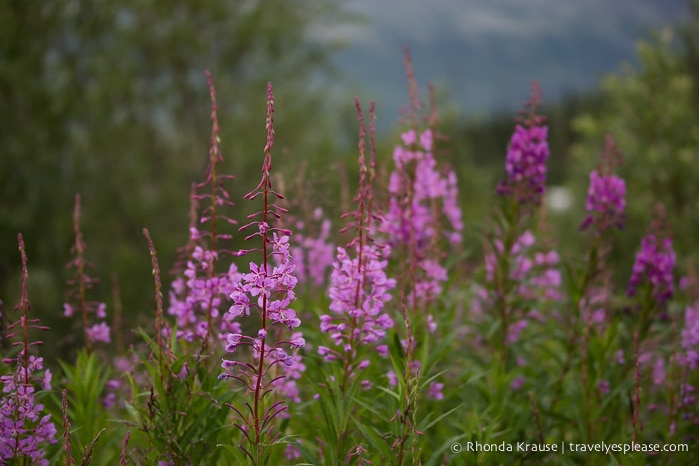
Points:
273	291
606	200
690	336
416	180
199	290
419	196
526	161
199	295
593	305
654	264
268	291
606	196
359	289
527	154
313	255
535	273
77	296
24	431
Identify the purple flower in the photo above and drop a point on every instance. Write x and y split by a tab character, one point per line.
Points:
358	292
392	378
515	330
659	371
198	295
527	153
417	203
435	390
313	255
654	265
525	164
690	336
99	332
291	452
273	287
620	357
517	383
538	278
24	429
606	201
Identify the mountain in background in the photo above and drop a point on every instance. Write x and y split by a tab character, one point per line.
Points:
483	54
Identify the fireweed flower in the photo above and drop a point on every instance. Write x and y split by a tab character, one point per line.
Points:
419	197
359	287
24	428
689	356
654	265
690	336
79	285
536	272
593	304
199	291
358	293
606	196
537	277
200	295
606	200
266	291
416	172
313	255
527	154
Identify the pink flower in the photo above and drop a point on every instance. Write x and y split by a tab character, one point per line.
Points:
654	265
99	332
435	390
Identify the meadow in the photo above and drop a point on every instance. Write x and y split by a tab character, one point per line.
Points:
394	334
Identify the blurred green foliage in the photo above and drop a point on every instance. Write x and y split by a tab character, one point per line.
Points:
109	100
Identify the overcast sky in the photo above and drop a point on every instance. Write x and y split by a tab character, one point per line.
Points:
484	53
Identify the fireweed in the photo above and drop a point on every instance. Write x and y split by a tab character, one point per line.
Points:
80	284
652	276
653	268
267	291
517	271
25	430
422	206
527	154
606	195
577	353
359	287
687	359
423	221
199	291
312	252
605	212
413	218
537	279
590	323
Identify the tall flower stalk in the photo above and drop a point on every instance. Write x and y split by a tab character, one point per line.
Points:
423	210
199	290
81	283
24	429
605	206
359	287
267	290
521	194
652	276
